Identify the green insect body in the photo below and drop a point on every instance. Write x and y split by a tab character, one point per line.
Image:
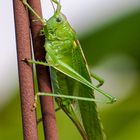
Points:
70	75
62	45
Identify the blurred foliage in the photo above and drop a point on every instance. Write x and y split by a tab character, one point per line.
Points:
122	36
122	120
10	120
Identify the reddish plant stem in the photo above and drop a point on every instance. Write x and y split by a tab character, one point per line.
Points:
47	103
25	71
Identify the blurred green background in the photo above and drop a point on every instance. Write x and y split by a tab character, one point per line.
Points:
112	51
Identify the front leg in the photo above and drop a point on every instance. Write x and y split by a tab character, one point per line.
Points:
30	61
34	12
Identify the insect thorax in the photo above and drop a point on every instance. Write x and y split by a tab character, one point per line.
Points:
62	50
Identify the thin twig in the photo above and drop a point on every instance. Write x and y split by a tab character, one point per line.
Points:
25	71
47	104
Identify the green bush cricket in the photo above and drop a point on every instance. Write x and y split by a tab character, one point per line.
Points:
70	76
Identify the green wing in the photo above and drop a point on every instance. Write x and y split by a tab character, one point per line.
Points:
88	112
83	87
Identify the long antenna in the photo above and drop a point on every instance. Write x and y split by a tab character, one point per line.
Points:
52	5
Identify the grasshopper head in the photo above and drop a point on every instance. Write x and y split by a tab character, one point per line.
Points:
56	21
57	26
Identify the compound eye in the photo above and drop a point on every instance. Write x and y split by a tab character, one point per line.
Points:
58	19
